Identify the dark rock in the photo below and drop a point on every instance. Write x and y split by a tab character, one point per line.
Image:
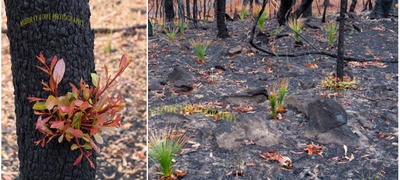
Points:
314	25
249	127
235	50
181	74
327	119
366	124
307	84
325	114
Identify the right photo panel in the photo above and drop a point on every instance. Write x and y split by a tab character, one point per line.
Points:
278	89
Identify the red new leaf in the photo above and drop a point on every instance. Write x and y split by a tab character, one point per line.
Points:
76	132
78	160
59	70
53	62
57	125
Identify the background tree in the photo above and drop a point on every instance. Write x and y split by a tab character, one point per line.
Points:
284	11
69	37
340	52
220	11
169	10
382	9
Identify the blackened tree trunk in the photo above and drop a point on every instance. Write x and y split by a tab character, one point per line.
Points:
353	5
340	52
204	9
169	10
181	13
188	8
59	28
220	11
284	11
382	9
195	12
368	5
305	9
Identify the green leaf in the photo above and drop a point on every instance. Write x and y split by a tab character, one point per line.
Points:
87	146
85	138
74	146
98	138
95	79
76	122
61	138
39	106
51	102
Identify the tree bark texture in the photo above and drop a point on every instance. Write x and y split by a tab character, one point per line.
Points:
305	9
220	11
181	11
284	11
59	28
353	5
195	12
340	52
188	8
169	10
382	9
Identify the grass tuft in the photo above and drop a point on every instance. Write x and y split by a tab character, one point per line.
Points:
200	48
296	26
163	145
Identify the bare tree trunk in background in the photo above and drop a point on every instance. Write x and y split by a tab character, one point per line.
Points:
156	8
353	5
340	52
52	35
195	12
284	11
368	5
220	11
181	11
188	8
204	9
169	10
382	9
305	9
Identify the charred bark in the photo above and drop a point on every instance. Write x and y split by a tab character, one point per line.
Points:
31	30
169	10
220	11
304	9
284	11
340	53
353	5
382	9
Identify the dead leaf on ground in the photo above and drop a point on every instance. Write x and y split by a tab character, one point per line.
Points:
275	156
313	149
313	66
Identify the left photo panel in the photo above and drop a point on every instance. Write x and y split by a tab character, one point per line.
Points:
73	89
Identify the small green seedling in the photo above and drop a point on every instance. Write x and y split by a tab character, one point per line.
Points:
171	33
261	20
163	145
200	48
243	14
295	25
331	29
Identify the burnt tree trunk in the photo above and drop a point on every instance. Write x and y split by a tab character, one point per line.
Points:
305	9
382	9
204	9
220	11
340	52
169	10
284	11
188	8
59	28
353	5
181	11
195	12
368	5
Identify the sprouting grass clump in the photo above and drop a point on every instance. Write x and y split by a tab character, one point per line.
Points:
171	33
276	96
107	49
272	102
283	85
163	145
261	20
182	27
296	26
276	32
335	83
331	30
200	48
243	14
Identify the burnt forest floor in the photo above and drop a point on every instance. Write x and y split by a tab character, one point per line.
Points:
123	154
371	108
